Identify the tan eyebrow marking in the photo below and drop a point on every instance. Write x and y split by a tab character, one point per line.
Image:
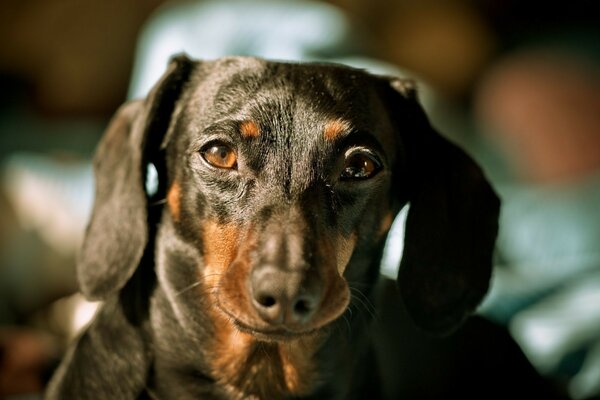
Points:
249	129
335	128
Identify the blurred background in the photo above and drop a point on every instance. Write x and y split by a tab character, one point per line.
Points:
516	83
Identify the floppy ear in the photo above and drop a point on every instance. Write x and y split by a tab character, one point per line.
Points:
118	230
451	225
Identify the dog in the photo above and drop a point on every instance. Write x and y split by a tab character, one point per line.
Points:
252	270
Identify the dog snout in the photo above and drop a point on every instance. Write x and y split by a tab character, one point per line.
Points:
284	298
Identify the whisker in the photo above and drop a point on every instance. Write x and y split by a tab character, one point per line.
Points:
185	289
158	202
151	393
364	297
368	306
369	309
199	282
350	312
352	284
348	325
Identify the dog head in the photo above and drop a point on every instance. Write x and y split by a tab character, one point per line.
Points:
283	180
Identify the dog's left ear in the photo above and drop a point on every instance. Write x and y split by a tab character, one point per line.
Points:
117	233
452	221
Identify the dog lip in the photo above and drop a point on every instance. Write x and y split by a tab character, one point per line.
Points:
266	334
276	334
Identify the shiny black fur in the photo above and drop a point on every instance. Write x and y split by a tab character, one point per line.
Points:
150	337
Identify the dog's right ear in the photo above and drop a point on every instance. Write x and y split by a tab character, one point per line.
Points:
118	230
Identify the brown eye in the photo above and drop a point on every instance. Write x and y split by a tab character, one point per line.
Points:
359	166
220	156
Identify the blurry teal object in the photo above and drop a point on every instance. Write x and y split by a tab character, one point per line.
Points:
274	29
546	287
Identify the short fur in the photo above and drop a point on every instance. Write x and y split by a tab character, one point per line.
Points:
180	270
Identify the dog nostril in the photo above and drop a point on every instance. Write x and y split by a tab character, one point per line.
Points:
266	301
269	307
302	307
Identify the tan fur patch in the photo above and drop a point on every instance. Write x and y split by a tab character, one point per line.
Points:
267	370
386	223
174	200
249	129
335	128
345	248
220	243
299	371
237	360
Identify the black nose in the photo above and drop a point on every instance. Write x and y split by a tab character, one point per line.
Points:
284	297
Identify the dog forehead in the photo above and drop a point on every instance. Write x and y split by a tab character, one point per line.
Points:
301	99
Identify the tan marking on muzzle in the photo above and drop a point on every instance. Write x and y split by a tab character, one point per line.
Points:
345	249
220	246
236	358
174	200
386	223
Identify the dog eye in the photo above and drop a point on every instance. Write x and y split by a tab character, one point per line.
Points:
219	155
360	165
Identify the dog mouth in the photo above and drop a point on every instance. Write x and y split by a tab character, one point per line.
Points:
273	334
269	334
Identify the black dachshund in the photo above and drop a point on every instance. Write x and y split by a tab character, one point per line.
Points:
252	272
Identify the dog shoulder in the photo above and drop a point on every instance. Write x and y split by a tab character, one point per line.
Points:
113	354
